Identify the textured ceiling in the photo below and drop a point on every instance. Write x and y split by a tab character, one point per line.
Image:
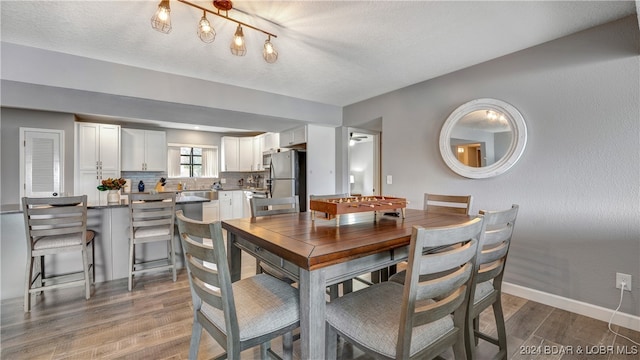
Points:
332	52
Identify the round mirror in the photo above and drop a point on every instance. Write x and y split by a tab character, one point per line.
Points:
483	138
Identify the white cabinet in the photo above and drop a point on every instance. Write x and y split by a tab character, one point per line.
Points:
230	154
237	154
231	204
293	137
262	143
245	154
258	143
144	150
211	211
97	149
270	141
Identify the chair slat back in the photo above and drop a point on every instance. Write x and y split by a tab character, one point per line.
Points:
208	268
436	284
451	204
274	206
495	245
54	217
152	209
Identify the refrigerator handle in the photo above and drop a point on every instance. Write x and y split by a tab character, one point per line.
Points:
270	177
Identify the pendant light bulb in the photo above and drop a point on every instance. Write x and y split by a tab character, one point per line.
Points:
161	20
269	53
206	33
238	45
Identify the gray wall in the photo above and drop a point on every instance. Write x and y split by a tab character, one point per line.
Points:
49	80
577	183
12	121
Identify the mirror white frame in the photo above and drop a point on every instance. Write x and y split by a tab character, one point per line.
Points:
518	139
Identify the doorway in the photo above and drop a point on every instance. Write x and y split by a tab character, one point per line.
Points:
469	154
364	162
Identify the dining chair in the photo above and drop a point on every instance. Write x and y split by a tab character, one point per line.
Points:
151	220
437	203
273	206
239	315
456	204
54	226
420	319
486	289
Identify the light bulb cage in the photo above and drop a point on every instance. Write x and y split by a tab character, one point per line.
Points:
238	43
161	19
206	32
269	52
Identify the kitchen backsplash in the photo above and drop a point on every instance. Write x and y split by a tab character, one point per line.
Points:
232	180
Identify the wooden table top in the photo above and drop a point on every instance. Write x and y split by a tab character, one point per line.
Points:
315	244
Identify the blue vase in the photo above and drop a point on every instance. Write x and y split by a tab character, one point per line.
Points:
140	186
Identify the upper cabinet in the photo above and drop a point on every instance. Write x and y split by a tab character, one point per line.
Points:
144	150
245	153
293	137
269	141
230	153
97	149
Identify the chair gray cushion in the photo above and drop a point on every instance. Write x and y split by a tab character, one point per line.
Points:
482	290
152	231
55	241
263	304
371	318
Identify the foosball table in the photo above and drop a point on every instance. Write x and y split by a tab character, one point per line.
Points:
334	207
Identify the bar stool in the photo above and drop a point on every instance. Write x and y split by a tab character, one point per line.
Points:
151	219
55	226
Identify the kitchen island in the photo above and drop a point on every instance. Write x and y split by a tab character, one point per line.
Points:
111	225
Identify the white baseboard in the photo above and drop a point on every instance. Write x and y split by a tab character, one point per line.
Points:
596	312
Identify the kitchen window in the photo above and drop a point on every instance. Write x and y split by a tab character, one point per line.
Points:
193	161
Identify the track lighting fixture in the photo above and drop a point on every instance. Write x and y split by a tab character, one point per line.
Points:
161	21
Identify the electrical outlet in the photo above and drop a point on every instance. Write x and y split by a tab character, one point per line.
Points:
620	277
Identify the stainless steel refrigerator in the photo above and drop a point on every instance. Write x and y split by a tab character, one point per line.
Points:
288	176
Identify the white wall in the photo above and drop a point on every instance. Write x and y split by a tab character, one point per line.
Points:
578	181
321	160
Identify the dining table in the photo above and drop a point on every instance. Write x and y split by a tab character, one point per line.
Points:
317	253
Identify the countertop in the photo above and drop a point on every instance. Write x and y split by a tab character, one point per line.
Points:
16	208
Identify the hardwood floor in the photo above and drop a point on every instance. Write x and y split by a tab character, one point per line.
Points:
154	322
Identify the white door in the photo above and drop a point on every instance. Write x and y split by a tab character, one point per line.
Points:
42	162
